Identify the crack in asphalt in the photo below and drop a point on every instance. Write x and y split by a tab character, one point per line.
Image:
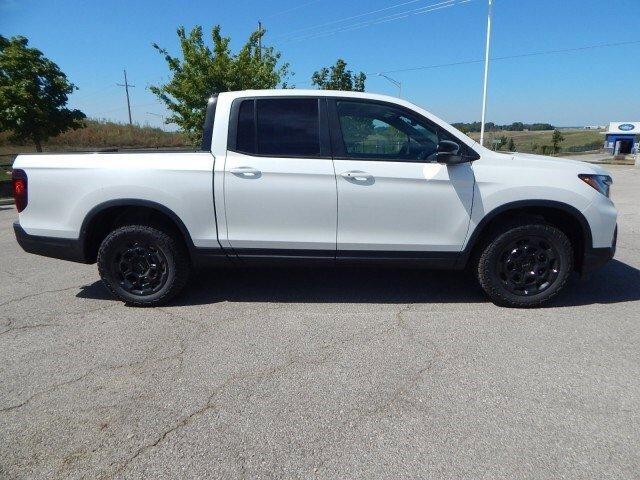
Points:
181	423
46	391
414	379
17	278
32	295
82	315
149	359
210	403
28	327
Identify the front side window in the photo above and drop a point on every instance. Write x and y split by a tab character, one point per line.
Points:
287	127
384	132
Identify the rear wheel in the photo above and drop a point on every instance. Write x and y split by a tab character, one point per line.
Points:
525	265
142	265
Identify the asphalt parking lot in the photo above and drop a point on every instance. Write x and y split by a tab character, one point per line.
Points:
320	374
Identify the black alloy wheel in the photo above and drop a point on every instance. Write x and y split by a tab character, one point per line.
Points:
525	264
143	265
140	268
528	266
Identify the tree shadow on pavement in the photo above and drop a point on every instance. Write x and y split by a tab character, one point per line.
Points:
616	282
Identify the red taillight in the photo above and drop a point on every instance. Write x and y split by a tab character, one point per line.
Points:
19	179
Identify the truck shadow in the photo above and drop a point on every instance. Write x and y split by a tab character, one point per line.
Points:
617	282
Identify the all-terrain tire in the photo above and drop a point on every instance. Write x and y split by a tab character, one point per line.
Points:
499	264
150	248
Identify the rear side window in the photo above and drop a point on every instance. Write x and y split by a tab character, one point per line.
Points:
246	137
287	127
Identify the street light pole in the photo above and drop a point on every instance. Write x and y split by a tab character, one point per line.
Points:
395	82
486	73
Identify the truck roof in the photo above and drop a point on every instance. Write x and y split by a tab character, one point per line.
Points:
311	93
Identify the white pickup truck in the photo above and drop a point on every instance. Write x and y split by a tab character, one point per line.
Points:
318	176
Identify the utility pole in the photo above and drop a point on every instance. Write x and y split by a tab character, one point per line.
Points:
126	86
395	82
486	73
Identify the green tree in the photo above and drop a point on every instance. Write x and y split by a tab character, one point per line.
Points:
511	145
33	94
203	71
337	77
557	139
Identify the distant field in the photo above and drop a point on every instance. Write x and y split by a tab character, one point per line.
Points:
98	135
525	141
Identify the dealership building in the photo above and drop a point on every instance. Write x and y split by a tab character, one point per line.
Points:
621	138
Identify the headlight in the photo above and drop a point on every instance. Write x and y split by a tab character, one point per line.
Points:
601	183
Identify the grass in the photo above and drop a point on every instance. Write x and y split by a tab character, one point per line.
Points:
97	134
525	141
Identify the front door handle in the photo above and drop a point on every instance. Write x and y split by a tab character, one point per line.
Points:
248	172
357	176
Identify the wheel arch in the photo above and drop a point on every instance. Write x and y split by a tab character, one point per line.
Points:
102	218
562	215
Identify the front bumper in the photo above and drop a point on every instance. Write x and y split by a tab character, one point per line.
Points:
595	258
62	248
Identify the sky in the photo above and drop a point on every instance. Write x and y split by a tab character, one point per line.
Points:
93	41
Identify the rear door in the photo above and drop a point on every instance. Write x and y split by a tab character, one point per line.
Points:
279	182
394	200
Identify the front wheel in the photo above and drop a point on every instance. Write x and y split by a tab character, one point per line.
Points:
526	265
143	266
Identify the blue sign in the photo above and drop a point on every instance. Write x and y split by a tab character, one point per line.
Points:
626	127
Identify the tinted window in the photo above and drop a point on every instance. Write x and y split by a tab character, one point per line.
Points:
246	136
378	131
207	131
288	127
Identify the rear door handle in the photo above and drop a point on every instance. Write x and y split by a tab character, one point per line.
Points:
246	172
357	176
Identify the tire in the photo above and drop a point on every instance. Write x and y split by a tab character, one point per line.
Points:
142	265
525	265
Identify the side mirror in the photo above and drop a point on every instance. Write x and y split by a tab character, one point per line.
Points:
449	152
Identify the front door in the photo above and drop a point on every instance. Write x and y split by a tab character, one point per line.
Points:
279	181
394	200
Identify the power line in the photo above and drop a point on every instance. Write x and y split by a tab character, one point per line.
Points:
132	106
90	95
509	57
333	22
384	19
506	57
283	12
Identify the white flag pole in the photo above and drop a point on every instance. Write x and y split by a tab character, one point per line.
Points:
486	73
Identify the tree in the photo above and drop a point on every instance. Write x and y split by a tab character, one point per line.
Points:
337	77
557	139
511	145
203	71
33	94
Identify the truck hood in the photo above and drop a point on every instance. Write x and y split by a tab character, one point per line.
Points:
528	159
